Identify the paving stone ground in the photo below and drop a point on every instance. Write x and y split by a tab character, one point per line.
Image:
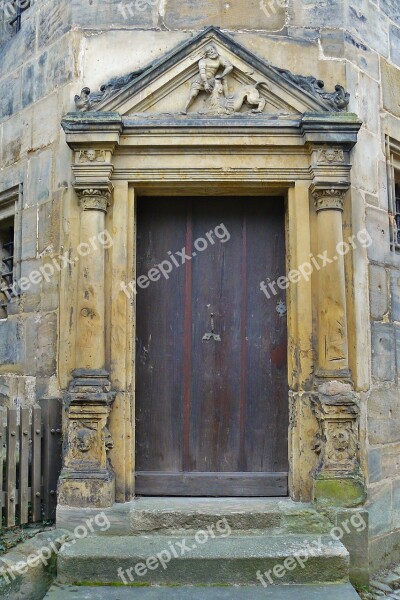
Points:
385	584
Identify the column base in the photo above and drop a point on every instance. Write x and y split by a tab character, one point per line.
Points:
86	489
339	490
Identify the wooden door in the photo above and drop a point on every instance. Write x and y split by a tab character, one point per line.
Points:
211	368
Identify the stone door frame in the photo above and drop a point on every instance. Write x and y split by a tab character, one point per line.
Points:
305	158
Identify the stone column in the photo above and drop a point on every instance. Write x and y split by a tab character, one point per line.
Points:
87	479
332	319
338	479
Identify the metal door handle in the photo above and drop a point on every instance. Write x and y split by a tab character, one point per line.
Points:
211	336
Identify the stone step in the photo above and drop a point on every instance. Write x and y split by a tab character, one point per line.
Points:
278	592
183	515
203	560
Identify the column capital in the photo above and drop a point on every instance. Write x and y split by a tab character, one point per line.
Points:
95	198
328	197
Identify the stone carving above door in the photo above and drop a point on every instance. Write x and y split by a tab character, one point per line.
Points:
212	75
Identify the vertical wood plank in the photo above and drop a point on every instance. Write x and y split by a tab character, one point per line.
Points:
36	463
51	453
2	457
23	484
11	466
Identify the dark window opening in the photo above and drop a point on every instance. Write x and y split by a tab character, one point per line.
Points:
19	6
397	213
6	264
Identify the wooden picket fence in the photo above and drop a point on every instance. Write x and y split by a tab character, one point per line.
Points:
30	462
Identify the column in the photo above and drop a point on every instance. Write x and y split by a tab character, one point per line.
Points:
87	478
338	479
332	319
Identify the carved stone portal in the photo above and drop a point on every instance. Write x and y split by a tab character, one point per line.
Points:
338	480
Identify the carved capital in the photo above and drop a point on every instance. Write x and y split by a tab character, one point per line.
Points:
329	199
95	198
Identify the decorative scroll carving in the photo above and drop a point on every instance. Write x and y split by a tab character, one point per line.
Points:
94	199
329	199
337	100
88	100
92	155
331	155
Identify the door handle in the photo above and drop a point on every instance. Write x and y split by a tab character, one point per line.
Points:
211	336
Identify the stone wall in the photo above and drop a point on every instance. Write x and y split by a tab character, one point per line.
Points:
64	45
36	68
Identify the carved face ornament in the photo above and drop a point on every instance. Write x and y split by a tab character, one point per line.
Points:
91	154
340	440
211	51
84	440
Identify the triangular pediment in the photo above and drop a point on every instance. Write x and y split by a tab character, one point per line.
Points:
249	84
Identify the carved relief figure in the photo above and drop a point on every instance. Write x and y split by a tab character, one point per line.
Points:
226	104
209	66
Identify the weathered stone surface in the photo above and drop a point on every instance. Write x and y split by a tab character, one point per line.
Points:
269	15
105	13
54	21
394	37
378	228
375	465
276	592
46	119
391	9
365	162
396	503
31	580
351	527
227	560
10	94
12	344
391	461
380	508
47	72
395	294
390	85
19	49
383	416
378	291
29	233
397	339
383	351
368	25
17	135
317	14
47	345
39	177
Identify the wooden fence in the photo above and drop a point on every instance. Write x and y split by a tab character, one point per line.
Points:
30	462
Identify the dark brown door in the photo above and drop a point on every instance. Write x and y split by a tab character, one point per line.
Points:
211	370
